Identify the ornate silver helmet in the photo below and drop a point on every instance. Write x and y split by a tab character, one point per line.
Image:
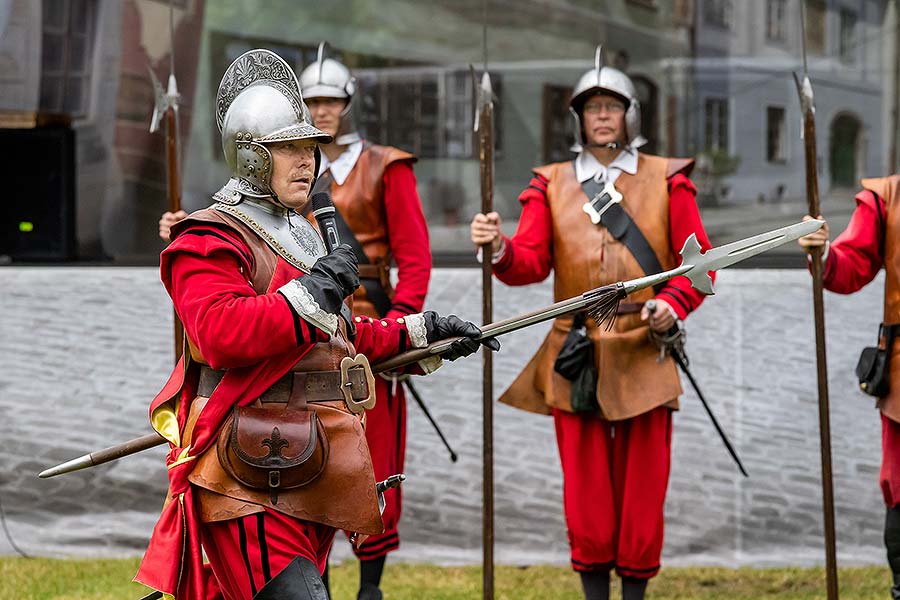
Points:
329	78
606	80
259	102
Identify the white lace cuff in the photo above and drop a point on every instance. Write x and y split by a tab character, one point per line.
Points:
307	307
415	326
496	256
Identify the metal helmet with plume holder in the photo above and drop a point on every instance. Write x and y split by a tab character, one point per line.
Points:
606	80
259	102
329	78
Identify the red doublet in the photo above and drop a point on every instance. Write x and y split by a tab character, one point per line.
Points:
407	238
853	261
257	338
407	241
855	257
615	473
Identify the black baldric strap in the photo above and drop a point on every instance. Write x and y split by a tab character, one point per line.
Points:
623	228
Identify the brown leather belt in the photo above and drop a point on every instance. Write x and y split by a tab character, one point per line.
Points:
372	271
628	308
319	386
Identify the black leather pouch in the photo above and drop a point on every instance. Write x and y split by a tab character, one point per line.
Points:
873	368
575	362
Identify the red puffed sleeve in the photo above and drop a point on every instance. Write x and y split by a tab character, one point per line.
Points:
407	237
205	270
684	219
527	256
856	256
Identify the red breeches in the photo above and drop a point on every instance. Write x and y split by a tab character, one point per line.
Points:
245	553
386	435
615	476
890	461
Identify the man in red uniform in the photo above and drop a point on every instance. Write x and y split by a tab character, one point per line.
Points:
613	429
265	413
852	261
374	191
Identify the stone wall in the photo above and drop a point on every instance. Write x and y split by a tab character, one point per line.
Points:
85	349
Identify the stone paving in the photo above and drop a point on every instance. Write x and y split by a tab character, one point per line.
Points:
83	350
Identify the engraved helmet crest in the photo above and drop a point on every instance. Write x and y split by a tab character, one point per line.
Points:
259	102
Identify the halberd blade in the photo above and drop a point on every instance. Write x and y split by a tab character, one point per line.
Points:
718	258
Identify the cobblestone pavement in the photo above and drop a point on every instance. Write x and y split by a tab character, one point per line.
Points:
83	350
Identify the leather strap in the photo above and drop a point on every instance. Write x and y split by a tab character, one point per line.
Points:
372	271
314	386
622	227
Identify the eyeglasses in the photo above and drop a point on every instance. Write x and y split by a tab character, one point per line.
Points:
613	107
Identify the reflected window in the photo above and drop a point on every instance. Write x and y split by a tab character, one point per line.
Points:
718	13
775	20
428	111
67	43
558	124
716	112
848	36
776	134
815	27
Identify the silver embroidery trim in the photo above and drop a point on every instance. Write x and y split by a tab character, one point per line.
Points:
415	325
265	235
308	309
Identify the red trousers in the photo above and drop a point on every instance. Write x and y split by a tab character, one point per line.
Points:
386	435
615	476
890	461
245	553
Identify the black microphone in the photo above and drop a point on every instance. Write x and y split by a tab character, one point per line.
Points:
323	211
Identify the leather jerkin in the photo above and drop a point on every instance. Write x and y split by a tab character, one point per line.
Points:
343	495
889	190
360	200
586	256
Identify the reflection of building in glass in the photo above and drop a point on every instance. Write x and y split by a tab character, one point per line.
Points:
416	89
713	78
745	53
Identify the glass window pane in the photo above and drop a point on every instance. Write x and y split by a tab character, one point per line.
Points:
74	99
79	54
82	16
53	49
51	94
55	14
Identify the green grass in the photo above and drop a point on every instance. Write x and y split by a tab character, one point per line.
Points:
45	579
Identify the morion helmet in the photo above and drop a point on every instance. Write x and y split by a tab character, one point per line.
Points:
329	78
606	80
259	102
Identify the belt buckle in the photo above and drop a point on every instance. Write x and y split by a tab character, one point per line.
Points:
361	362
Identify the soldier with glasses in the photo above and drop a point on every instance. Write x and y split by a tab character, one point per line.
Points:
612	213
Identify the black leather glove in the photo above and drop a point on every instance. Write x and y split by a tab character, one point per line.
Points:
334	277
440	328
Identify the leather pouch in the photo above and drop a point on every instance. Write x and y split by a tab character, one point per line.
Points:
273	446
575	362
873	368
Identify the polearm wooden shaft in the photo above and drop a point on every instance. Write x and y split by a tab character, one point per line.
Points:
812	197
804	89
173	186
486	158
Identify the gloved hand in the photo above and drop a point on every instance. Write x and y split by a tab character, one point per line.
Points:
334	277
440	328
